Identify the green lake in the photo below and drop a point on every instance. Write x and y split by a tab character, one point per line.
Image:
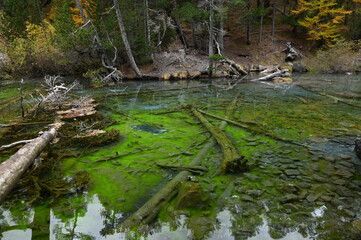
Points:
304	180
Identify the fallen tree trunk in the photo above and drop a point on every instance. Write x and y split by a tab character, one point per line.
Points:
232	161
190	168
254	130
235	66
12	169
151	208
345	101
279	73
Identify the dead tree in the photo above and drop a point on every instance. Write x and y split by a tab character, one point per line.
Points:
112	72
12	169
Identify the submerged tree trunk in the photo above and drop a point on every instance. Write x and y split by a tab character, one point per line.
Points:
125	40
12	169
151	208
232	162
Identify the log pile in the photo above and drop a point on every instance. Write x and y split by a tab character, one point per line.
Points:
292	53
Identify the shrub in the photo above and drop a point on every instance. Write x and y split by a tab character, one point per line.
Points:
343	57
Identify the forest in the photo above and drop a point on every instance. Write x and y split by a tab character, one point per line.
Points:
180	119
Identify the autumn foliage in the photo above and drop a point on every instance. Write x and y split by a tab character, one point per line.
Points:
322	19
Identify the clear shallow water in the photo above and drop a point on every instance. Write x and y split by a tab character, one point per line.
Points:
281	198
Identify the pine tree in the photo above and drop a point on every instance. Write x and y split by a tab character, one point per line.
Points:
322	19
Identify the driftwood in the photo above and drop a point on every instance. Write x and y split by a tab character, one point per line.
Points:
189	168
291	53
22	124
3	147
151	208
113	157
269	77
234	66
232	161
13	168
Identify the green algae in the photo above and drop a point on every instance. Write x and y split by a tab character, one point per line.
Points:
125	183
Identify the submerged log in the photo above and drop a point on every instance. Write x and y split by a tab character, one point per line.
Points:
232	161
254	130
12	169
189	168
149	211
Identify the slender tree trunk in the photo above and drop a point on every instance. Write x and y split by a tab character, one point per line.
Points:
261	23
125	40
179	27
210	45
147	20
221	35
81	12
273	20
248	41
194	35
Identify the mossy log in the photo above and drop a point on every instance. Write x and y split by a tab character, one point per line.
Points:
254	130
232	161
190	168
12	169
149	211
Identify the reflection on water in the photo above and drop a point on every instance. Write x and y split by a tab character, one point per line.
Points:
88	225
293	192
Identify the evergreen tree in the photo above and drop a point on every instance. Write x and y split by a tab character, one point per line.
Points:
322	19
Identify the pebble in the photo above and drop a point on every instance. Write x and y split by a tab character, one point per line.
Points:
346	164
343	173
268	183
345	157
292	172
288	198
311	198
330	158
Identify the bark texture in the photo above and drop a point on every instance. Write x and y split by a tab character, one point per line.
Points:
12	169
232	161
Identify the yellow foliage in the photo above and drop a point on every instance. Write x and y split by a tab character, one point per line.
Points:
323	19
35	51
88	7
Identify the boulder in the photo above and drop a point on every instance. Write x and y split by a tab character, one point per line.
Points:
299	67
183	75
191	196
166	76
195	74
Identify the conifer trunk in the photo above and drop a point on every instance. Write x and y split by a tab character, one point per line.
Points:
125	40
210	44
